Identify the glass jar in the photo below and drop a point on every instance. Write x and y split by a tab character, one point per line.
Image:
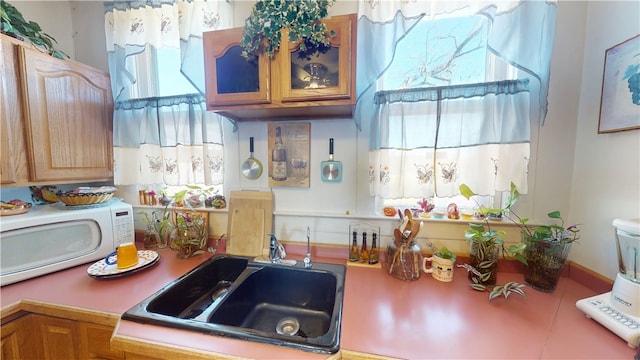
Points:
404	261
151	239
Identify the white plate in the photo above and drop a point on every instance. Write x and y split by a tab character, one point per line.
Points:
102	270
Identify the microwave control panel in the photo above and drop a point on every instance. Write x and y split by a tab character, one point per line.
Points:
123	230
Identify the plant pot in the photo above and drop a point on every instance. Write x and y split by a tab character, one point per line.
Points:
190	235
150	240
163	238
545	260
484	258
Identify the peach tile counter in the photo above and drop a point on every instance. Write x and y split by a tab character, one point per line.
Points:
424	319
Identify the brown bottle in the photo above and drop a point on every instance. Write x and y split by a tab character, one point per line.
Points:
279	158
364	254
373	254
354	254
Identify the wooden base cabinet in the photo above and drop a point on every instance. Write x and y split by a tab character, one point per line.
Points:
18	342
56	118
36	336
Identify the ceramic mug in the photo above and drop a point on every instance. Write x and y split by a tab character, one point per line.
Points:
441	269
126	256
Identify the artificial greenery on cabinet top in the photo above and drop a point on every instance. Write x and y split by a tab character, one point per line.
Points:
15	25
301	17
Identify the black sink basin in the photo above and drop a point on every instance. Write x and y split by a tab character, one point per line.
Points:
233	296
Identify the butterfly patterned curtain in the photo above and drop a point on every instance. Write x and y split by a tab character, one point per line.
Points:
162	131
423	142
429	141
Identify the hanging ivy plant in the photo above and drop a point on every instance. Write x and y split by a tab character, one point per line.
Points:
301	17
15	25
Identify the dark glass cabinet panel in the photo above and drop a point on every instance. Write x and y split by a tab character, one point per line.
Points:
242	75
230	78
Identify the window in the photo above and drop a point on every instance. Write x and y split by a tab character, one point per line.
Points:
442	54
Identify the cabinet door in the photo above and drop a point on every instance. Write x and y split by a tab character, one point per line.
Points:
96	342
68	119
12	335
325	75
60	337
13	162
231	79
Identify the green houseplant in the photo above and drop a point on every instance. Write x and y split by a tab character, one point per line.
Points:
15	25
547	247
486	245
261	31
190	229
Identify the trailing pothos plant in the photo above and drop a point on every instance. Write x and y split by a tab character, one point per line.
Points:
261	31
15	25
486	242
554	232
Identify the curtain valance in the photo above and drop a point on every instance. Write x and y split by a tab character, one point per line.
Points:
452	92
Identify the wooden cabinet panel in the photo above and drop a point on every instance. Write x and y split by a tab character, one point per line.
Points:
38	336
69	119
13	159
60	337
55	119
95	341
10	343
286	79
323	76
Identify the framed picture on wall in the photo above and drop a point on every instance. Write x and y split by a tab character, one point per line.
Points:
289	149
620	100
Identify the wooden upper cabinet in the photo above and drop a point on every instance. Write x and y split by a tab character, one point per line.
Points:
13	159
232	79
288	86
56	119
68	119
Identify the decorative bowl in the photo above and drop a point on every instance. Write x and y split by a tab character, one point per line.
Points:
14	208
75	199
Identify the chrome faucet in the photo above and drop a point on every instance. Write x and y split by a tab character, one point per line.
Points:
307	259
276	250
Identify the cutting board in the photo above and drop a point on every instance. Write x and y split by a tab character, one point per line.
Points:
250	220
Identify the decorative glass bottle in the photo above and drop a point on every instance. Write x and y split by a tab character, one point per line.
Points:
354	254
373	253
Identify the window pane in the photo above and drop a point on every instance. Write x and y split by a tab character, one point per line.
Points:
170	80
440	52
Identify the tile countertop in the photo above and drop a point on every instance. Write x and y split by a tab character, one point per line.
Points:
381	315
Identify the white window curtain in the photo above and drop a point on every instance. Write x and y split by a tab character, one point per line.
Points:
162	131
427	142
522	33
170	140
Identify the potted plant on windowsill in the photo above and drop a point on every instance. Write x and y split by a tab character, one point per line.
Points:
486	246
262	28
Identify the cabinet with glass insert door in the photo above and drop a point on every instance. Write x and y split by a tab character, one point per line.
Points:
292	84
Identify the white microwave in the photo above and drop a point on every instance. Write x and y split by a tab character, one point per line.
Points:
51	238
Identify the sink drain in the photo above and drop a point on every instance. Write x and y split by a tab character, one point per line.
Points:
288	326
